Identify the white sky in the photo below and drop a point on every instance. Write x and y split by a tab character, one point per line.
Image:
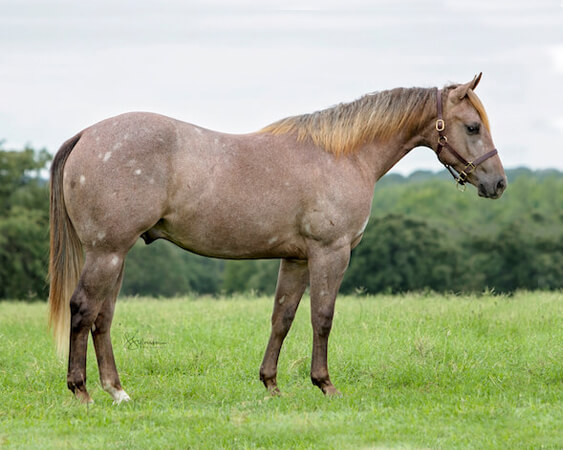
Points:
237	66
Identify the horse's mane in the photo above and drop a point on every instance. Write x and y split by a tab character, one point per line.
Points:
344	128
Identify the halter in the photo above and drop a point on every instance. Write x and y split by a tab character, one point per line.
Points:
461	176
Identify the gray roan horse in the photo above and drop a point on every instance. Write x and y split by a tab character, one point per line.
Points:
300	190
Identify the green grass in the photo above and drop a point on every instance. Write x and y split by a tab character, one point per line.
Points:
416	371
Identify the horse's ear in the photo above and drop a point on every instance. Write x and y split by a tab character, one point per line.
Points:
476	80
460	92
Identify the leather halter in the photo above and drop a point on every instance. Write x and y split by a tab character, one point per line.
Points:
469	166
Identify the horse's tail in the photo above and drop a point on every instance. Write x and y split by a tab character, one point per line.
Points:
65	257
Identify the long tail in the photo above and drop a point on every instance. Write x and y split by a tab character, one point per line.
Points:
66	256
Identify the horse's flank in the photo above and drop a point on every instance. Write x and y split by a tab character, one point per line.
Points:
346	127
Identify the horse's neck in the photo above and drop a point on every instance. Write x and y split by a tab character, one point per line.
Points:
380	157
382	154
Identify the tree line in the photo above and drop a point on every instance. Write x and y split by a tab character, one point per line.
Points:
423	235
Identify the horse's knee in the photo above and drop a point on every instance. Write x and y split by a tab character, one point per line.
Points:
323	321
281	322
287	318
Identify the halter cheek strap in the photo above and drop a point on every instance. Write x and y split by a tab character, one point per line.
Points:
469	166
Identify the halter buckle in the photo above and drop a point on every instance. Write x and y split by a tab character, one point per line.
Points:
440	125
461	187
469	166
462	177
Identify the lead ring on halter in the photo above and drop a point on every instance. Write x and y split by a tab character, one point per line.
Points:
461	176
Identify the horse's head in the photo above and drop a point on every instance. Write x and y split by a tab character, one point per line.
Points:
464	141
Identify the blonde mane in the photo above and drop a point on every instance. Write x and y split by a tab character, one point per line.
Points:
344	128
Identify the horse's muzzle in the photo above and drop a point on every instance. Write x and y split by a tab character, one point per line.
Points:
492	189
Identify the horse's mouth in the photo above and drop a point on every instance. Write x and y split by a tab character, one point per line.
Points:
492	195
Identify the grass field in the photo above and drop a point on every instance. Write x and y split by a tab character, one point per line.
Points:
416	371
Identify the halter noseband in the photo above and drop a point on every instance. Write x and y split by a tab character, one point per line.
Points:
470	166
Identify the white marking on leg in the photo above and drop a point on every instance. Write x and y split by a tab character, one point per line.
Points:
114	260
118	395
82	180
282	299
107	156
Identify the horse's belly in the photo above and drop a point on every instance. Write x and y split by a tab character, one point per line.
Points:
233	237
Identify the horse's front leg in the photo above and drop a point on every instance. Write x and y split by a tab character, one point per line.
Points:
292	280
326	268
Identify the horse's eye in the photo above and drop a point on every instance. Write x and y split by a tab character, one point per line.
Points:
474	128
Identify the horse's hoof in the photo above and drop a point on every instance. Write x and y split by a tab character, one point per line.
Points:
331	391
120	396
83	397
271	386
274	391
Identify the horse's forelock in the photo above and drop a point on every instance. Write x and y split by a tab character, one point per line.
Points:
476	102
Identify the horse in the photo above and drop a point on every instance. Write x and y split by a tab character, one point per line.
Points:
299	190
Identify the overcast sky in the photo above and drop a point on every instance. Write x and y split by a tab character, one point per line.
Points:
236	66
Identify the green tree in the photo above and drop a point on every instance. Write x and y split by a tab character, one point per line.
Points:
162	269
398	254
24	222
527	254
253	275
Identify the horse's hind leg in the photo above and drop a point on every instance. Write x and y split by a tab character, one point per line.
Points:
104	351
292	281
100	275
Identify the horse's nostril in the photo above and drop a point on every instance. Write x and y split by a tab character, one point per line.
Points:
501	185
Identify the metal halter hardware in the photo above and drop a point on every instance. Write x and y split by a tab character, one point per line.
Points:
469	166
